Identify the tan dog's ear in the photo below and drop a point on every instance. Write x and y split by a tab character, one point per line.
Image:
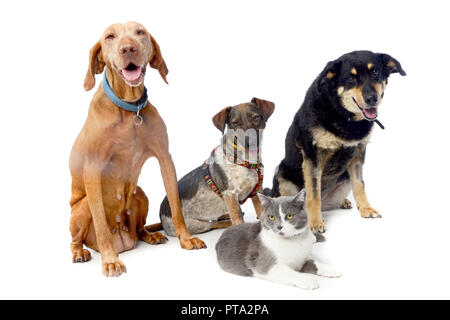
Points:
157	62
220	119
266	107
96	66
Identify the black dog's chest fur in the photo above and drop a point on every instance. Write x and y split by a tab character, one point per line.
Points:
338	162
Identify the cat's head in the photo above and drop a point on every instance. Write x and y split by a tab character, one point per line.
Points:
285	216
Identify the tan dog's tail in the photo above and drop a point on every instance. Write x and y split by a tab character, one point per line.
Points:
154	227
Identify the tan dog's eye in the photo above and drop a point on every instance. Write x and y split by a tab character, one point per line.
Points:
110	36
140	32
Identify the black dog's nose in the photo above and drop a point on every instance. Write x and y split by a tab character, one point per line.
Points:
279	227
371	100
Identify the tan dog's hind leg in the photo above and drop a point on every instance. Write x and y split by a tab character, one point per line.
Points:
359	193
258	207
187	241
313	176
79	227
234	209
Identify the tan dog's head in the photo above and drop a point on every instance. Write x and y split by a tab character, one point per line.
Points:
125	49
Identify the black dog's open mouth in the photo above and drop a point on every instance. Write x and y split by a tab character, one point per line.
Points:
369	113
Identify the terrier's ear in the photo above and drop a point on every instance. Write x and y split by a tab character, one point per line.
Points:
220	119
266	107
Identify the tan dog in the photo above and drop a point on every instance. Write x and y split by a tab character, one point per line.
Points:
108	208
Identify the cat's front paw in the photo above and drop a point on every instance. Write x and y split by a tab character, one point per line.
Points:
327	271
307	284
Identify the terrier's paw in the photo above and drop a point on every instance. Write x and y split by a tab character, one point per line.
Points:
81	255
113	267
346	204
307	284
369	212
192	243
317	225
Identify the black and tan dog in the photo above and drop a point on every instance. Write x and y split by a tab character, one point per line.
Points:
212	193
326	143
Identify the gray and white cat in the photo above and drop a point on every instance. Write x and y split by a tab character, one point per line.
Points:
277	248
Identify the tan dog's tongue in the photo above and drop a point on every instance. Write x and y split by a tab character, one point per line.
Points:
131	75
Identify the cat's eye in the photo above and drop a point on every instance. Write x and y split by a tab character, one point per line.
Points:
271	218
289	216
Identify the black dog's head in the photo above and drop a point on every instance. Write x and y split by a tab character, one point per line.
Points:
357	81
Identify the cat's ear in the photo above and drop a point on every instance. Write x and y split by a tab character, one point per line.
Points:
299	198
265	200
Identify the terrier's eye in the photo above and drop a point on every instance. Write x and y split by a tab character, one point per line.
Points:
289	216
140	32
110	36
256	117
271	218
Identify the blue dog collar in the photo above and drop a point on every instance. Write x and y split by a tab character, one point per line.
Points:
140	104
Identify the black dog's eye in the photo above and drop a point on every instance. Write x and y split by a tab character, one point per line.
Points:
374	72
350	78
110	36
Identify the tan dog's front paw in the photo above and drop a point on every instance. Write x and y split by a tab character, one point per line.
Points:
192	243
317	225
369	212
113	267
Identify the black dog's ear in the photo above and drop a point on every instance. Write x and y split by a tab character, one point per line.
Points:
391	64
329	74
221	118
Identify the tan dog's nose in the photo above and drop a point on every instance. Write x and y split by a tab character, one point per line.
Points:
128	49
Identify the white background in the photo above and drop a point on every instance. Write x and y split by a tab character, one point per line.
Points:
220	54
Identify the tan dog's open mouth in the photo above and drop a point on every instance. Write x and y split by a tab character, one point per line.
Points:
132	74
